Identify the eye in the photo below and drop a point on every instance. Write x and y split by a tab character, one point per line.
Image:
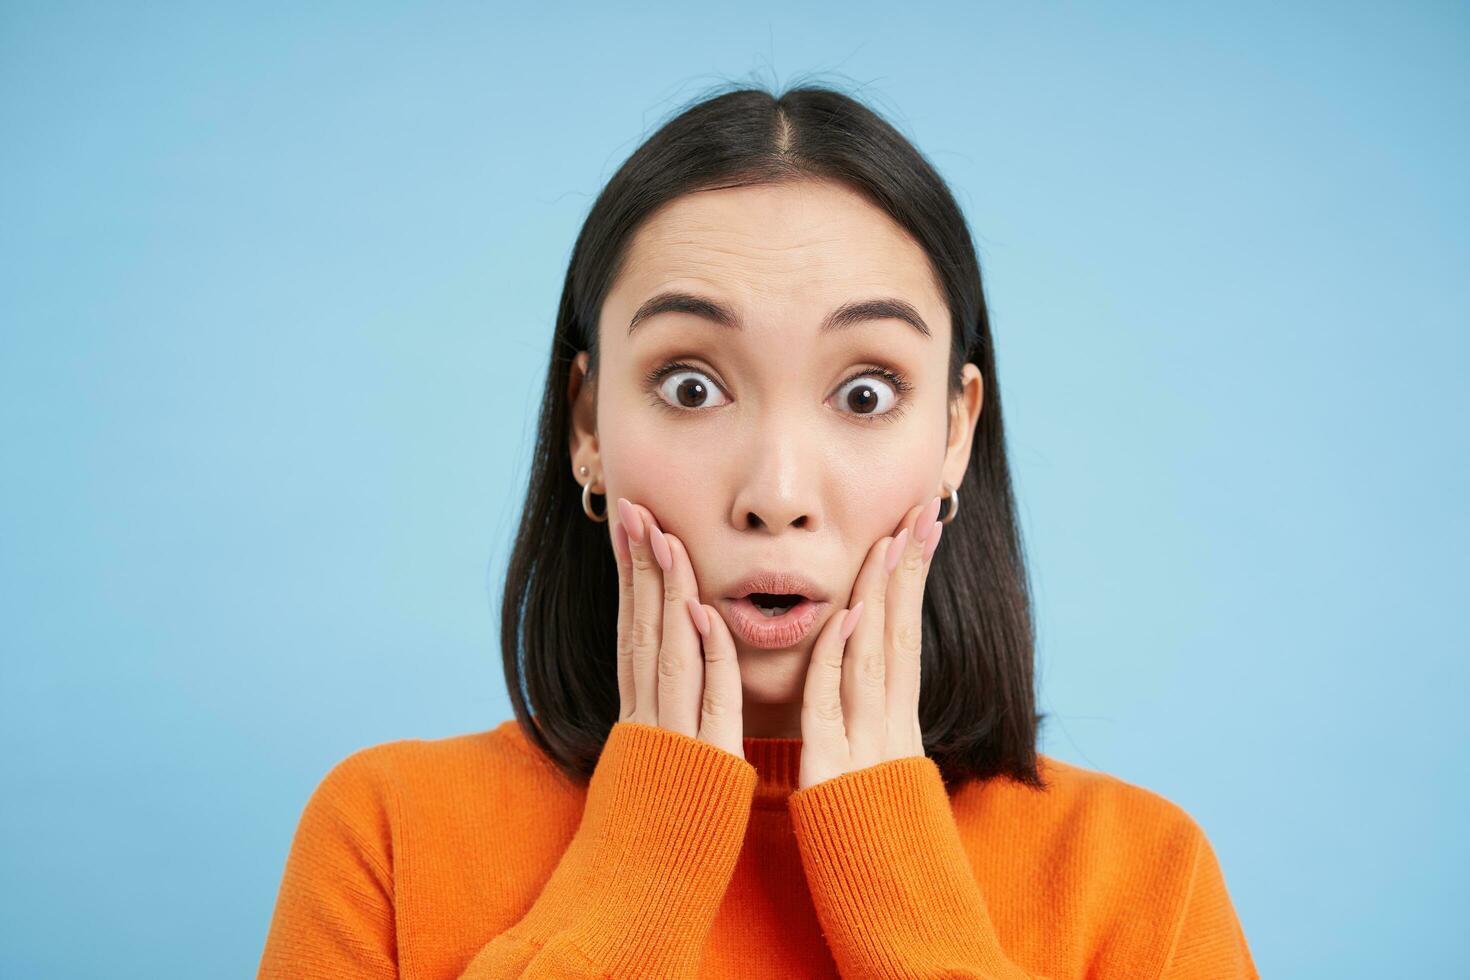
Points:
874	393
685	386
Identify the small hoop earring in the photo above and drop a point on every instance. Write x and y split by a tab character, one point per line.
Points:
587	500
953	496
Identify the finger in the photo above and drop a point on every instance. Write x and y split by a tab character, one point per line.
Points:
824	748
721	722
626	692
865	664
680	661
905	621
646	626
864	695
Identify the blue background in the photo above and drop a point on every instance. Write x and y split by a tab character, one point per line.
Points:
277	287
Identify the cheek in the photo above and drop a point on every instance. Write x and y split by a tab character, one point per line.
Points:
641	463
873	488
872	504
642	452
674	484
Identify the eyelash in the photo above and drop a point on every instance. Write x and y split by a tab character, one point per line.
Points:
898	381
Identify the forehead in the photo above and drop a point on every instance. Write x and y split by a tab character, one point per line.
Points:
777	252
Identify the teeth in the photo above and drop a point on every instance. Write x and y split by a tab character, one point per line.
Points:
773	611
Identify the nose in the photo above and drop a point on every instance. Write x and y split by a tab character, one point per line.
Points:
779	479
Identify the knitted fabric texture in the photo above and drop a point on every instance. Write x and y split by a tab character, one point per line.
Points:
473	857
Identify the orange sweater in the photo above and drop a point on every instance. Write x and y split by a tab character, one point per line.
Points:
472	857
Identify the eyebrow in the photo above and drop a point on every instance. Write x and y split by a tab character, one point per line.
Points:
846	315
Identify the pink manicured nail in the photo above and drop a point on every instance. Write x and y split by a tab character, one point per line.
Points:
850	623
895	551
925	521
661	548
700	617
631	520
620	541
933	541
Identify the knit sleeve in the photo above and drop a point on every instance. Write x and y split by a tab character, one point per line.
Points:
334	911
896	897
636	891
890	879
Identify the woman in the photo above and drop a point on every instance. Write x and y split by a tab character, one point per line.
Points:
767	724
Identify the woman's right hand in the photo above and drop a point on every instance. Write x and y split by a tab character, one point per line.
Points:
674	671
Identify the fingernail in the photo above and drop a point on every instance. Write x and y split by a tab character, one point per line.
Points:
925	521
850	623
700	617
895	551
620	540
933	541
661	548
631	520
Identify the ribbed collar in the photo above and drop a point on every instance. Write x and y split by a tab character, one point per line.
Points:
777	763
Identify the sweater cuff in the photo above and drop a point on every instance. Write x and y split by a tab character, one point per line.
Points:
639	885
889	876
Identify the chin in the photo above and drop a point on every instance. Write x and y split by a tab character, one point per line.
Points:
772	676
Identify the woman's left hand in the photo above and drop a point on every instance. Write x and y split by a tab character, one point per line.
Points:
860	705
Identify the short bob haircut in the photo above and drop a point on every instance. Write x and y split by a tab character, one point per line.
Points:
559	608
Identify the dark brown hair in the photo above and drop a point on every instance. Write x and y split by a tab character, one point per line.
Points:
559	609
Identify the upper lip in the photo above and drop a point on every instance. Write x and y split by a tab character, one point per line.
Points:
777	583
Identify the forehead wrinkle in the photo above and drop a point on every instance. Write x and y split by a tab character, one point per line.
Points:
828	238
717	259
799	262
769	275
762	287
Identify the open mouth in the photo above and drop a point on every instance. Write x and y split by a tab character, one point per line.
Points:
772	604
772	620
773	608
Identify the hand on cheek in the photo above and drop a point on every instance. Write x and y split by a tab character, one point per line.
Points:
860	705
676	658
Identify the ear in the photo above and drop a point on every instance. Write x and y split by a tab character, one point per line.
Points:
964	412
582	405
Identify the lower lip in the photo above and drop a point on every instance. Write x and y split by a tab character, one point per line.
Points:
771	632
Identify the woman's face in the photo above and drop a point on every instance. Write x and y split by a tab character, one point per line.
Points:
779	445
